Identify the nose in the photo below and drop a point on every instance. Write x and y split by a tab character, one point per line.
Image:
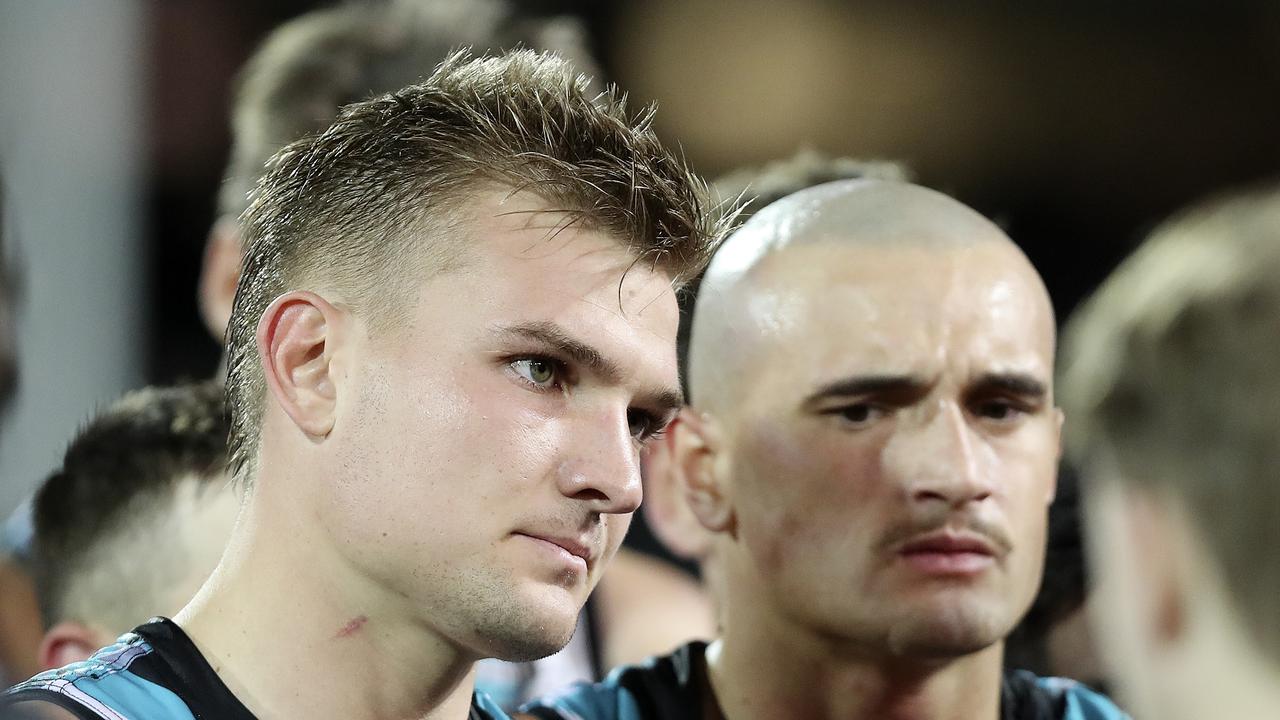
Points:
938	463
602	465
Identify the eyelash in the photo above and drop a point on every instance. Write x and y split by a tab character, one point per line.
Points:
874	412
560	371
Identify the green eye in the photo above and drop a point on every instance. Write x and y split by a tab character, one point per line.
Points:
542	373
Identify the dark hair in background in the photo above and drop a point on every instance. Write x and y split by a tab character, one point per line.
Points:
362	208
1063	588
120	468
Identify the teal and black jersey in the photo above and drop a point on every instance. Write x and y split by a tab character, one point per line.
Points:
675	687
152	673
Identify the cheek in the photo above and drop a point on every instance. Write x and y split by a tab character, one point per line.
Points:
806	493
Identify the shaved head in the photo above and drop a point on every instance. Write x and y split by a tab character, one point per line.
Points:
862	219
873	362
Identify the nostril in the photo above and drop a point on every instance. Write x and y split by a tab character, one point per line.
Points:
590	494
927	495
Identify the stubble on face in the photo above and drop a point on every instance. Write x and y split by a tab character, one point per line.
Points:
451	455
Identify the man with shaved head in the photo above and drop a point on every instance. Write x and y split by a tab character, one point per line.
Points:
872	444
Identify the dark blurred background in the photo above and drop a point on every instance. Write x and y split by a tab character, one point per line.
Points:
1077	125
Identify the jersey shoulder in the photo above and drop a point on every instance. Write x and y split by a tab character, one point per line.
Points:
105	686
1081	702
671	687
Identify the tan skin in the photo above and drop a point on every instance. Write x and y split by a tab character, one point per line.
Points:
884	398
359	567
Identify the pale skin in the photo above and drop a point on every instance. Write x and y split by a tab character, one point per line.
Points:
645	607
417	485
890	392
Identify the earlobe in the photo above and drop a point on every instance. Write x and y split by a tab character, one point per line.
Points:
698	447
66	643
298	337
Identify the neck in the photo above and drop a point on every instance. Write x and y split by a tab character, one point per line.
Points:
295	631
762	667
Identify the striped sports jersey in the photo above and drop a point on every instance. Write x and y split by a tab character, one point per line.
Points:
676	687
152	673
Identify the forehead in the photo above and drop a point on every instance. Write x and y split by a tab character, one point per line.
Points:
525	262
832	308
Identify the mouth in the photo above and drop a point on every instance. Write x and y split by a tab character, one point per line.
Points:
949	553
574	552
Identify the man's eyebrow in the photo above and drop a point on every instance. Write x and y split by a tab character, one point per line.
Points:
555	336
660	401
868	385
1017	383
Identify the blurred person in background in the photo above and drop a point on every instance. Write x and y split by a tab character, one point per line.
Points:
19	628
1171	379
134	521
294	85
366	572
870	449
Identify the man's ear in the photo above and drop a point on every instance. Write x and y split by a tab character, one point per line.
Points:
298	336
665	508
68	642
697	449
219	273
1159	548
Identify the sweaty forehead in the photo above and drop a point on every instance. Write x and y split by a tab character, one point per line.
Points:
881	278
902	306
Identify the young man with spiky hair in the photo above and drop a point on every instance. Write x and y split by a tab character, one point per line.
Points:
455	330
136	518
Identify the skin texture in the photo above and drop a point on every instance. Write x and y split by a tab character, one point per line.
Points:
406	468
646	607
891	379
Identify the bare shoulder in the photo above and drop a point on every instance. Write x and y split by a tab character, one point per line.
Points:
649	607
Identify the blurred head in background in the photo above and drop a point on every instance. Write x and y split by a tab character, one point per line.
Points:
1173	390
135	519
315	64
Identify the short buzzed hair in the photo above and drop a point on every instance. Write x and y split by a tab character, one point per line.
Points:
96	557
1170	377
758	187
362	207
318	62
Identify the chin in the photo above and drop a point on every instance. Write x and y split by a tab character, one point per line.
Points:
534	625
948	633
526	641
